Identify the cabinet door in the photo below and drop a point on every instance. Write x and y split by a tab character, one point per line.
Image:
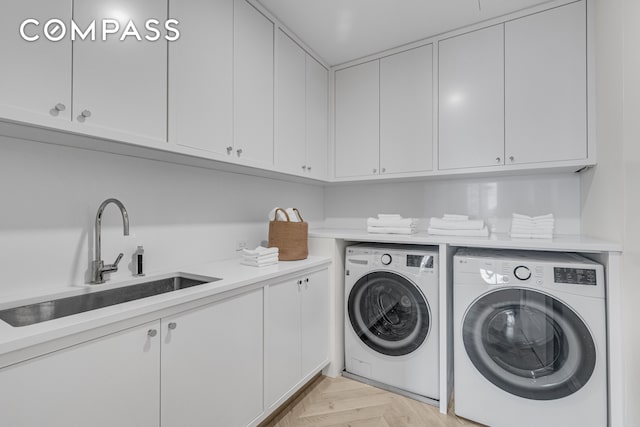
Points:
546	86
201	76
35	76
357	110
282	339
253	84
406	111
110	381
315	321
471	99
317	119
123	84
290	153
212	364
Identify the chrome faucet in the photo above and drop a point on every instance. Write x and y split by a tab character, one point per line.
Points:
97	265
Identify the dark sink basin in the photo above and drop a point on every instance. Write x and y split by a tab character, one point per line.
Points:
54	309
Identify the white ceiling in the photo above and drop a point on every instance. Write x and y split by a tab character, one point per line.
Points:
343	30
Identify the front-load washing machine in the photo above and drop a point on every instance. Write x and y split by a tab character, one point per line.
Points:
529	339
391	318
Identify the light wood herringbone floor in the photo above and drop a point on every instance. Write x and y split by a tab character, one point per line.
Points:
344	402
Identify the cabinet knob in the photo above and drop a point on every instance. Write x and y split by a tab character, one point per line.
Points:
60	107
229	150
308	168
172	325
498	159
512	158
86	114
152	333
375	170
304	168
306	280
239	151
384	170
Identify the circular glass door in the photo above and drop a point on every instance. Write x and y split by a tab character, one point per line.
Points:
529	344
389	313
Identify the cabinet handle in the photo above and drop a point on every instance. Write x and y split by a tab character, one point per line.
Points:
229	150
309	168
498	159
512	158
86	114
384	170
299	285
60	107
306	280
239	151
375	170
304	168
172	325
152	333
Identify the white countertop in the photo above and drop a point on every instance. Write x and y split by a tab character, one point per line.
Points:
560	243
233	274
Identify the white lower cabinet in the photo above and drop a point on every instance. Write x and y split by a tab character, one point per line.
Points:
296	332
212	364
106	382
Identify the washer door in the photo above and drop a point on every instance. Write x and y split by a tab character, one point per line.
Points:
389	313
529	344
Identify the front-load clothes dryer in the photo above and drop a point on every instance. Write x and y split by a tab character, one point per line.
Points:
529	339
391	318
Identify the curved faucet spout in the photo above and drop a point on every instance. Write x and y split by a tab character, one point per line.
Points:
97	266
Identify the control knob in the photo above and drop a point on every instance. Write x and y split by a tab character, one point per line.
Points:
522	272
385	259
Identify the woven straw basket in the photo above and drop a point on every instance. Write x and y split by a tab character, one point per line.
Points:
291	238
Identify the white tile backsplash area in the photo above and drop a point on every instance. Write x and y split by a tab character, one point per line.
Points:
182	215
493	199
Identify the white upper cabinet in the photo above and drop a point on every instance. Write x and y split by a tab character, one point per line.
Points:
253	85
471	99
317	87
121	85
546	86
290	144
201	76
406	111
35	77
357	118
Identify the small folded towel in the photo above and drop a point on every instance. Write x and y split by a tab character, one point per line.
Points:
389	216
445	224
534	218
259	264
391	230
528	227
267	260
260	250
532	230
484	232
403	222
455	217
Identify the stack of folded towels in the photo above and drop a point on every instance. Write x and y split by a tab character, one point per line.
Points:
527	227
391	224
260	256
458	225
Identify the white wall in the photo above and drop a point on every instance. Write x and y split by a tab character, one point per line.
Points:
182	215
493	199
611	196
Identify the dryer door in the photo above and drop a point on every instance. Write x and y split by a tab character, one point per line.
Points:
389	313
529	344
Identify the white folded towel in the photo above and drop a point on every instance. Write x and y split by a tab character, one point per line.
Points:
260	250
484	232
530	236
532	230
389	216
391	230
455	217
445	224
293	216
402	222
534	218
269	257
259	264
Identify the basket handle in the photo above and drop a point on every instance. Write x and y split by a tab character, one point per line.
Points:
298	213
275	214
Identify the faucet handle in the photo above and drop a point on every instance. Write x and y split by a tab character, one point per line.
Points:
115	263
